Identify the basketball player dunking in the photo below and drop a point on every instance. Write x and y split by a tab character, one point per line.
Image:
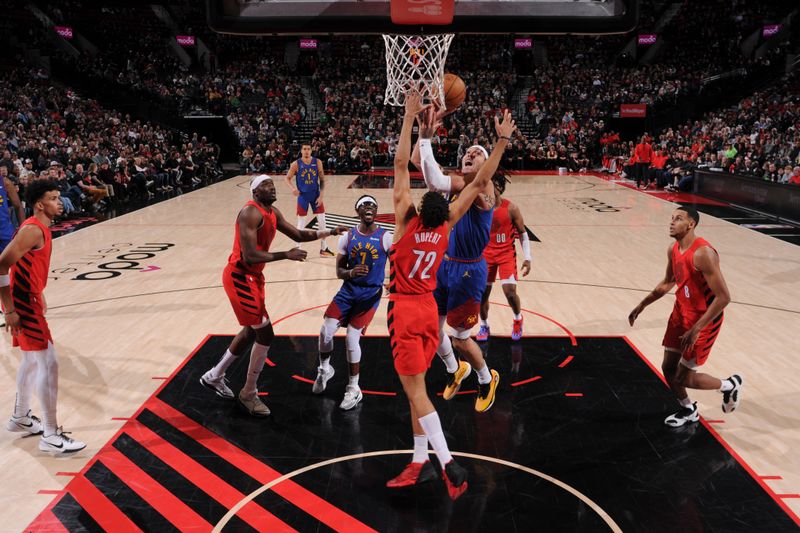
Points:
361	263
420	241
308	186
22	294
501	257
243	280
462	276
696	319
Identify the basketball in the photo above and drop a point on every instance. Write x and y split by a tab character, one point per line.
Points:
454	92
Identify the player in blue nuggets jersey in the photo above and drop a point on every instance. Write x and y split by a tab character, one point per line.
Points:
461	278
308	186
360	263
8	199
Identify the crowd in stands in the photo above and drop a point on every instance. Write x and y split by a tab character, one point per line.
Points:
99	157
758	137
333	98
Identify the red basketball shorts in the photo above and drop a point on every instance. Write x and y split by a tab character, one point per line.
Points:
413	332
245	291
34	334
506	267
679	324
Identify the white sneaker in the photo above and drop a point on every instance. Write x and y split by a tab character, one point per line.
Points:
322	379
25	424
730	398
253	405
352	395
218	385
684	416
58	442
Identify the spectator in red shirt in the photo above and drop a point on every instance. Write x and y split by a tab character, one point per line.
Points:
644	155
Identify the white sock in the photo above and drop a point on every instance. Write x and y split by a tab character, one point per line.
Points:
420	449
353	381
47	388
517	316
26	378
726	385
686	402
227	360
301	221
484	376
433	430
258	354
484	322
321	225
445	349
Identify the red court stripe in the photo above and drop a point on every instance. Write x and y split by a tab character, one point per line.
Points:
268	362
715	421
47	521
100	508
67	473
51	491
263	394
120	418
167	504
566	361
301	378
771	477
524	381
159	377
574	394
206	480
306	500
788	495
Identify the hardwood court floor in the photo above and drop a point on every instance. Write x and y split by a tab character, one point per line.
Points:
603	247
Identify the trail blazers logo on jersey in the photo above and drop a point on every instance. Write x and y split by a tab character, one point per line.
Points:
383	220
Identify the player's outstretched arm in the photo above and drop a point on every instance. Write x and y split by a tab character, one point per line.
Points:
661	289
304	235
290	174
404	208
26	239
522	233
435	179
461	204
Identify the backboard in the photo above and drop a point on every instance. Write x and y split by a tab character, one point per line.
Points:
526	17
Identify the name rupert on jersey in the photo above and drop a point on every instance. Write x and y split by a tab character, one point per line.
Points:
427	236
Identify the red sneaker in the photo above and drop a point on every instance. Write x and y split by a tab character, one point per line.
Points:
455	479
413	474
516	330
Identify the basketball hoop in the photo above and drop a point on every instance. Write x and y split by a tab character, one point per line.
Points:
416	62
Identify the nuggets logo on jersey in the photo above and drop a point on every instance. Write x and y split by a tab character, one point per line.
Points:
363	253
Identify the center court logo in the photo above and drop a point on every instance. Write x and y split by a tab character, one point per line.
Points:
591	204
112	261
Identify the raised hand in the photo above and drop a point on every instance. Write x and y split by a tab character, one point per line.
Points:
506	127
413	104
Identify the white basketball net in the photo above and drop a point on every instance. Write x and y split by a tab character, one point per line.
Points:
415	62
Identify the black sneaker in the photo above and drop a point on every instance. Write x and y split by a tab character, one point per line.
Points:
730	398
684	416
455	479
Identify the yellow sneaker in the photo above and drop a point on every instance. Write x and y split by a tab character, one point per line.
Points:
455	379
486	393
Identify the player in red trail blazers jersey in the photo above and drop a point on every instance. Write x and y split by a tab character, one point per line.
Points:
696	319
243	281
420	242
28	258
501	257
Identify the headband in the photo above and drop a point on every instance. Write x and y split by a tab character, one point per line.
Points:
365	199
258	180
481	148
